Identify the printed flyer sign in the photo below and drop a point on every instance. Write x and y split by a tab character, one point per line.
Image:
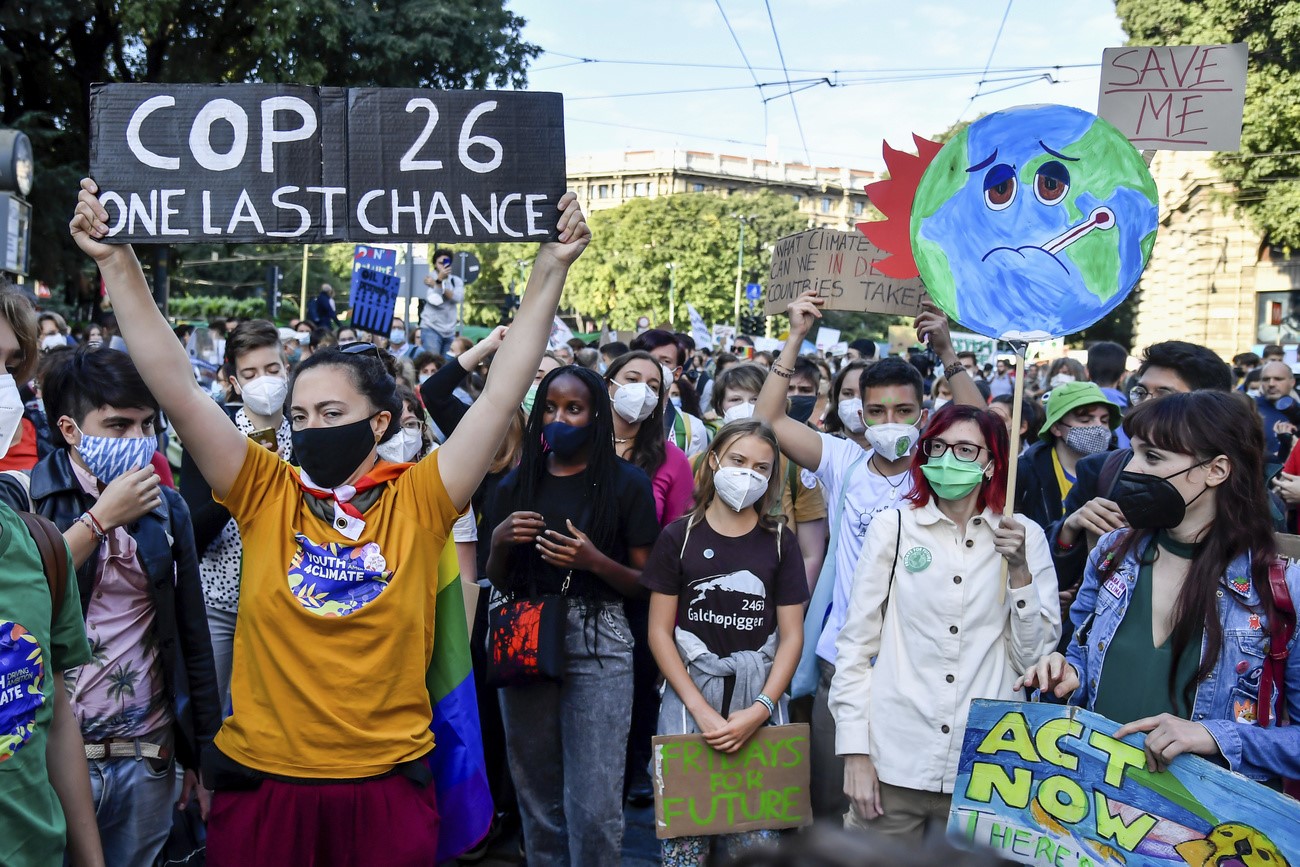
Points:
291	164
1045	784
700	791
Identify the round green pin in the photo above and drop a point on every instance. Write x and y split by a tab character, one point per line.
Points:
917	558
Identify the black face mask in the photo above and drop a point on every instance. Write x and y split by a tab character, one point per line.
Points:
801	407
565	440
330	454
1152	502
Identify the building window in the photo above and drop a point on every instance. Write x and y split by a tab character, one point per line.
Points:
1278	320
859	208
627	191
642	188
697	188
826	204
602	191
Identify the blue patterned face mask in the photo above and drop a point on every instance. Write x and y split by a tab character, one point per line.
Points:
110	457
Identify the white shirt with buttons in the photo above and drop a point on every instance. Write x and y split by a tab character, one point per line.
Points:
911	657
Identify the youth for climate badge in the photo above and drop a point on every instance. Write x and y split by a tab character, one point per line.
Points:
22	681
336	580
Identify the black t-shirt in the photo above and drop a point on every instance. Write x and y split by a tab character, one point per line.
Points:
561	498
727	589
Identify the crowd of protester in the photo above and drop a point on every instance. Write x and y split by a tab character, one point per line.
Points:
740	538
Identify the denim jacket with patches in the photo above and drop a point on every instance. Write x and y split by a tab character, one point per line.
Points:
1226	701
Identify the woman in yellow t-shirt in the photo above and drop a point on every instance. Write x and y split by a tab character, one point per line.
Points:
331	711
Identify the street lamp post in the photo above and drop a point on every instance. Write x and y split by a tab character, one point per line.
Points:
740	267
672	294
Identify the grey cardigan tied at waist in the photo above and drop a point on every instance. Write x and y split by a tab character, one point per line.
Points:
709	672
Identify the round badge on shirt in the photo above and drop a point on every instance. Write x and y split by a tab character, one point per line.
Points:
917	559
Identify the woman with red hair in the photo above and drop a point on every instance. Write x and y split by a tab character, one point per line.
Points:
934	622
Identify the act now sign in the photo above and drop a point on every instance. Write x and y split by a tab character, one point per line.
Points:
190	163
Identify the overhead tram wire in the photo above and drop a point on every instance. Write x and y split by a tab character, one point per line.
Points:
794	106
744	57
987	63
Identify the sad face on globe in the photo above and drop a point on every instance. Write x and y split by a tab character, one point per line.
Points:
1032	223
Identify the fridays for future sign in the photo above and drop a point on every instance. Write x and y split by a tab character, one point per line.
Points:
226	163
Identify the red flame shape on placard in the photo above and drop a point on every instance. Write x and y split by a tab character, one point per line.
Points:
893	198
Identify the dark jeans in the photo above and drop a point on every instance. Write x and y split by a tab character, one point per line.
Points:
827	792
566	741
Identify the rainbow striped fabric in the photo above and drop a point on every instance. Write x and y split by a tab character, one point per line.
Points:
459	772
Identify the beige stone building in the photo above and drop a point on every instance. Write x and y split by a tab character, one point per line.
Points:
1212	279
831	197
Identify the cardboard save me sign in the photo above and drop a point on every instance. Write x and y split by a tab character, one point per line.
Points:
1046	784
700	791
1175	97
840	266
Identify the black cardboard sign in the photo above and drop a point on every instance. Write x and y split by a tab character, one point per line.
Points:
237	163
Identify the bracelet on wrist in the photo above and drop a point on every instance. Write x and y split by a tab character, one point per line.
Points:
88	520
951	370
781	370
766	702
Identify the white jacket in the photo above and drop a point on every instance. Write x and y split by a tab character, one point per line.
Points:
939	638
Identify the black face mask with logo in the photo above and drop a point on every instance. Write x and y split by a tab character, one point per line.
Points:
330	454
1152	502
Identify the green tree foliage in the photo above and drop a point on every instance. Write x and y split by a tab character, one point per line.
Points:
1266	186
625	273
51	51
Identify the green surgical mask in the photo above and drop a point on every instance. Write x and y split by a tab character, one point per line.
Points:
529	397
950	478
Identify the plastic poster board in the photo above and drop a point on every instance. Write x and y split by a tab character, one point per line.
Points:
1046	784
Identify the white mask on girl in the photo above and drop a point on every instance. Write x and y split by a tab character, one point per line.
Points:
850	412
402	447
739	487
265	395
739	412
634	401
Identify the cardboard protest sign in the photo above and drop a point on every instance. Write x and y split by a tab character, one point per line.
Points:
1175	97
1047	785
1033	222
374	290
214	163
840	266
901	339
700	792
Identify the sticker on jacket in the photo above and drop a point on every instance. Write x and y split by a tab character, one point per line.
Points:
335	580
22	682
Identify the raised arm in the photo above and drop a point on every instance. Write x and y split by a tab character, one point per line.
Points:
932	327
799	442
464	458
216	444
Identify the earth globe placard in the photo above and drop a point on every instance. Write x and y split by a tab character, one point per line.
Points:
1033	222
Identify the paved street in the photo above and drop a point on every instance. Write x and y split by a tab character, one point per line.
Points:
640	848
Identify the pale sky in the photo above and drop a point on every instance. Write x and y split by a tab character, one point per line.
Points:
930	40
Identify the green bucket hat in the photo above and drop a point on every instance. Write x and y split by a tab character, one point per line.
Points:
1069	396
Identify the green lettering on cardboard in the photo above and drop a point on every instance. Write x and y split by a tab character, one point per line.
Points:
1009	734
1119	756
1048	740
672	809
754	753
1044	847
796	758
669	753
1112	827
717	781
691	753
753	779
695	816
788	795
986	778
1063	799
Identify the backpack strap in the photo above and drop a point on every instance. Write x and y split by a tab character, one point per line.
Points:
680	432
1110	470
54	558
1273	675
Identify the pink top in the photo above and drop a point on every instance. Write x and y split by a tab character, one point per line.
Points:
674	485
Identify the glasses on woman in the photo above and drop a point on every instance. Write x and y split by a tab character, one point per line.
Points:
937	448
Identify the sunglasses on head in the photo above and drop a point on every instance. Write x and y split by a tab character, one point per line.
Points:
362	348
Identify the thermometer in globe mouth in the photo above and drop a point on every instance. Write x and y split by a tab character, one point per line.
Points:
1101	218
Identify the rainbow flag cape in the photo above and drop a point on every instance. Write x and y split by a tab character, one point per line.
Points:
459	773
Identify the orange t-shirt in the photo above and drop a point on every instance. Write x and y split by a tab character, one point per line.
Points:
334	636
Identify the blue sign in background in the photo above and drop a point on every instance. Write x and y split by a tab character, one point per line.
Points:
375	287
